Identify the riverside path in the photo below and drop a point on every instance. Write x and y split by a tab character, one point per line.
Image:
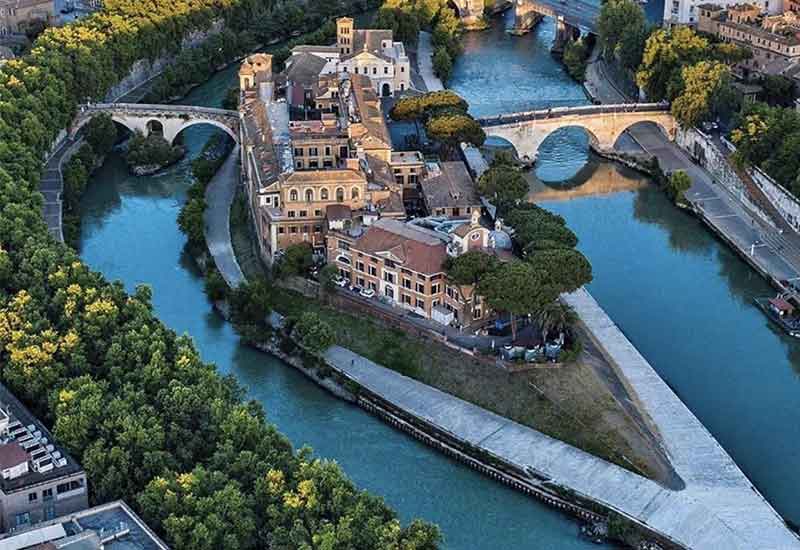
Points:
717	508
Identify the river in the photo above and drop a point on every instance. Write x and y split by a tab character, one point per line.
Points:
680	296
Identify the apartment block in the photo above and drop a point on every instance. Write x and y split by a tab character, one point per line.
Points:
38	480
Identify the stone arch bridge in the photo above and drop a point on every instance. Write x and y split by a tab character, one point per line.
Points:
168	120
604	123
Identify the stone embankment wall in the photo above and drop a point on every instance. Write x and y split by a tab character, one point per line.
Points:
145	70
784	202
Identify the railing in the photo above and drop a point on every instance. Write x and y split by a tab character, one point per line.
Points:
543	114
149	108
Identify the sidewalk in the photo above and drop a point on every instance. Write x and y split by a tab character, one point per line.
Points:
219	197
425	63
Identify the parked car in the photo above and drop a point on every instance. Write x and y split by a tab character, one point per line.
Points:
340	281
367	293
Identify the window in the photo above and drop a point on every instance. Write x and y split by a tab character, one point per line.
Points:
407	283
293	195
374	70
402	69
354	193
327	163
373	271
420	304
406	299
49	512
323	194
299	164
298	151
388	277
305	229
47	494
313	164
360	281
360	266
385	69
317	213
402	86
317	229
355	70
435	288
23	519
293	230
390	264
309	195
389	292
344	245
313	152
75	484
62	488
327	150
303	213
421	288
340	194
291	213
33	497
281	231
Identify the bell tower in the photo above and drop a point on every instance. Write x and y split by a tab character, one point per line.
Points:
344	35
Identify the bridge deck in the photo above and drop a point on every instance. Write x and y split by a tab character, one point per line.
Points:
577	13
543	114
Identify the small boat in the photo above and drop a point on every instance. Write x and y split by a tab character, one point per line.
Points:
784	311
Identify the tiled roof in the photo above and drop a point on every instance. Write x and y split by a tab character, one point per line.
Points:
415	249
451	187
305	69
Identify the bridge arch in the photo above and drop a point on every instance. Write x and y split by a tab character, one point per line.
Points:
667	130
194	122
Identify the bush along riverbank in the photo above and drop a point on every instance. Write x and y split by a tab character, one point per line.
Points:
134	403
147	155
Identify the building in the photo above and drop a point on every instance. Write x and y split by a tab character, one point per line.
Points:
448	190
38	480
369	52
687	12
112	526
774	41
15	14
404	263
295	168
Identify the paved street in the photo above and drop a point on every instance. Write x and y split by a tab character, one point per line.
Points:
219	197
425	63
51	186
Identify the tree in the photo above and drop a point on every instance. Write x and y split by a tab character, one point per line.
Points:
567	269
442	63
215	286
470	267
666	52
517	288
678	183
622	30
451	130
778	90
315	334
192	222
101	133
575	55
428	105
706	90
503	184
297	259
555	316
327	277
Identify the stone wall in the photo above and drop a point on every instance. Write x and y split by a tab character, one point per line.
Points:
784	202
144	69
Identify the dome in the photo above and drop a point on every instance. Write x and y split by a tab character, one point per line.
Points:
500	239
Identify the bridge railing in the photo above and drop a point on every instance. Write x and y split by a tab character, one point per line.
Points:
543	114
150	108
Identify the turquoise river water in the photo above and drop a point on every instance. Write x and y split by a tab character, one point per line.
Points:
680	296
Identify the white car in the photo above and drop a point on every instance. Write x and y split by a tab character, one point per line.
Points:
367	293
340	281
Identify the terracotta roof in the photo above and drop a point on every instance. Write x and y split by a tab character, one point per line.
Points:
11	455
369	40
415	249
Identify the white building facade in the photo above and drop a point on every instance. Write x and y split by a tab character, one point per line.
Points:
686	12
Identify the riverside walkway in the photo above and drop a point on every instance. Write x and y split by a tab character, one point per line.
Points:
217	217
718	508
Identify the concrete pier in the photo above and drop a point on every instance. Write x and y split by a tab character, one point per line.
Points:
718	508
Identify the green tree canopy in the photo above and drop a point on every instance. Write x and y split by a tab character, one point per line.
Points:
677	184
706	92
452	130
429	104
298	258
665	54
315	334
622	30
101	133
470	267
567	270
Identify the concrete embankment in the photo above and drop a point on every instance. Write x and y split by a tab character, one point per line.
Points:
718	508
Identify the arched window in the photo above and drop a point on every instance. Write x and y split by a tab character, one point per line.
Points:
339	194
309	195
293	195
323	194
354	193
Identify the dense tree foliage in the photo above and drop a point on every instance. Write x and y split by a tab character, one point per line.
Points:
706	92
314	333
503	183
769	137
576	57
152	150
133	402
622	31
451	130
298	258
427	105
677	184
470	267
101	133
